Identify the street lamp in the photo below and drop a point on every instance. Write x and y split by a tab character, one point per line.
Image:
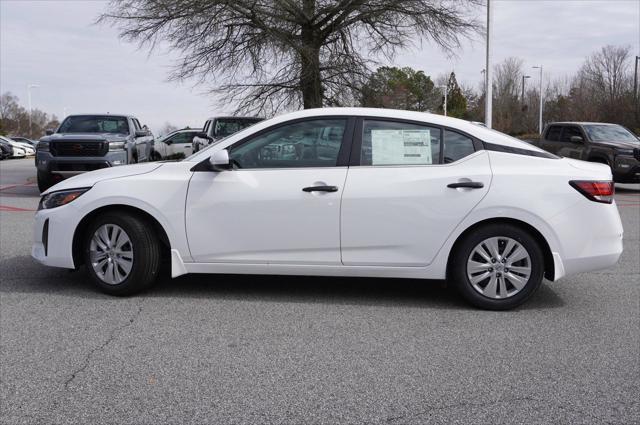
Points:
523	78
540	119
488	82
445	98
29	87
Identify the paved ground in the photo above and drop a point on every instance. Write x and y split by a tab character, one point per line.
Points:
228	349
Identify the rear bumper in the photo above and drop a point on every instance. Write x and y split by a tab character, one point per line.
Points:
590	235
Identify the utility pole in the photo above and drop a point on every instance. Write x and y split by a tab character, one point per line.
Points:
29	87
635	91
445	98
540	119
488	111
523	77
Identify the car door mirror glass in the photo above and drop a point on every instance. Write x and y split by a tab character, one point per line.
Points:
49	132
576	139
220	160
141	133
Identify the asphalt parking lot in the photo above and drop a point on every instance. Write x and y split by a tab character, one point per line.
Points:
231	349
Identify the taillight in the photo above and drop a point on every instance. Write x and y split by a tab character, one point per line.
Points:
597	191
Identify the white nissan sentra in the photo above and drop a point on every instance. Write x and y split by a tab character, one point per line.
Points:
342	192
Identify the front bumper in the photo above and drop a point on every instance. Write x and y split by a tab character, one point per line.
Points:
53	236
72	165
627	170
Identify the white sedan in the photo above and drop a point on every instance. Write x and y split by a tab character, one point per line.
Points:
19	149
342	192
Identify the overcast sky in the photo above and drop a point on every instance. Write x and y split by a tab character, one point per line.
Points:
82	67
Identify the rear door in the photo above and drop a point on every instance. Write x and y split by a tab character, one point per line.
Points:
397	208
551	140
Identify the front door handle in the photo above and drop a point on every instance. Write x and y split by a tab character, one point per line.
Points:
320	189
470	185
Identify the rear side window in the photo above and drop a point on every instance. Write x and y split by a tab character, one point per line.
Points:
399	143
456	146
553	133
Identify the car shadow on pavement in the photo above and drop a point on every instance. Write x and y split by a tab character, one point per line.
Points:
23	275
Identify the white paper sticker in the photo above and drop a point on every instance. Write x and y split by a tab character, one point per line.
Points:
398	147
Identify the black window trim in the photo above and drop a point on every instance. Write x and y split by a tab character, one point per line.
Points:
356	146
343	153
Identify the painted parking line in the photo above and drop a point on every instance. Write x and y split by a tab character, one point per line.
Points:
13	209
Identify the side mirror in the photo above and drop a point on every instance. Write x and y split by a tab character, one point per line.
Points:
168	142
219	161
576	139
202	135
49	132
142	133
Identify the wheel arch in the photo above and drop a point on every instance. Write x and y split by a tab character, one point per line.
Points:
549	264
89	217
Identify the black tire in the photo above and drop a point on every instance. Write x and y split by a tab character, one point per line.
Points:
463	250
145	246
155	156
45	181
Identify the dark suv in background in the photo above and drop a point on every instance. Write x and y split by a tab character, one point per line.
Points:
609	144
90	142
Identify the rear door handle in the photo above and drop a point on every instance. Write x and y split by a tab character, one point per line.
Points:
470	185
320	189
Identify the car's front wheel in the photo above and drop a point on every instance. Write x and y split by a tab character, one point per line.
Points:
122	253
498	266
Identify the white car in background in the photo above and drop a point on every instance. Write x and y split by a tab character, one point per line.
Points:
20	150
342	192
175	145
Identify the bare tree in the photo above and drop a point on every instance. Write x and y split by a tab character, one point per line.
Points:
269	55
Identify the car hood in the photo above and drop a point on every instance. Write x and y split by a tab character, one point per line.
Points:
93	177
83	136
619	145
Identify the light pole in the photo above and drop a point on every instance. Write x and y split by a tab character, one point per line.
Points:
29	87
488	81
635	90
445	98
540	119
523	78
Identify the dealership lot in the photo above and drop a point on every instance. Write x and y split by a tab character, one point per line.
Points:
250	349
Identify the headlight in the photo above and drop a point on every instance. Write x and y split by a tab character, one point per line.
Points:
625	152
60	198
43	146
117	146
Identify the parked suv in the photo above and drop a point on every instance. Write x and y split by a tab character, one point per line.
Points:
609	144
220	127
89	142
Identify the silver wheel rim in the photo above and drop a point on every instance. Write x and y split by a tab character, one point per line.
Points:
499	267
111	254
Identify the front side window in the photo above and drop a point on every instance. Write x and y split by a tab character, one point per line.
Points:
569	132
304	144
456	146
182	138
94	124
399	143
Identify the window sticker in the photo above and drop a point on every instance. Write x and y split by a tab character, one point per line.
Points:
398	147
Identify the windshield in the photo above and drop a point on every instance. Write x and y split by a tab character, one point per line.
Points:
227	126
610	133
94	124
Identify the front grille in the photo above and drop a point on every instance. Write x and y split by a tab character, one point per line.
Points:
78	148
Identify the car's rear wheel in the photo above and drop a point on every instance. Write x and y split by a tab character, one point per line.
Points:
122	253
498	266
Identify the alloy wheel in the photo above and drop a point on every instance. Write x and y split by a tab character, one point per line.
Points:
111	254
499	267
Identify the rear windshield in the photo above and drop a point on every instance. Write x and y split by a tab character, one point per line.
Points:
227	126
94	124
610	133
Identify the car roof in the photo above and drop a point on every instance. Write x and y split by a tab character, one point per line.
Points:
234	117
102	114
580	123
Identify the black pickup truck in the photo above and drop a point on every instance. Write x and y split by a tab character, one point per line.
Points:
609	144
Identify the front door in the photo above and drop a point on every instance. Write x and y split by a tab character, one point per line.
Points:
281	202
397	206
